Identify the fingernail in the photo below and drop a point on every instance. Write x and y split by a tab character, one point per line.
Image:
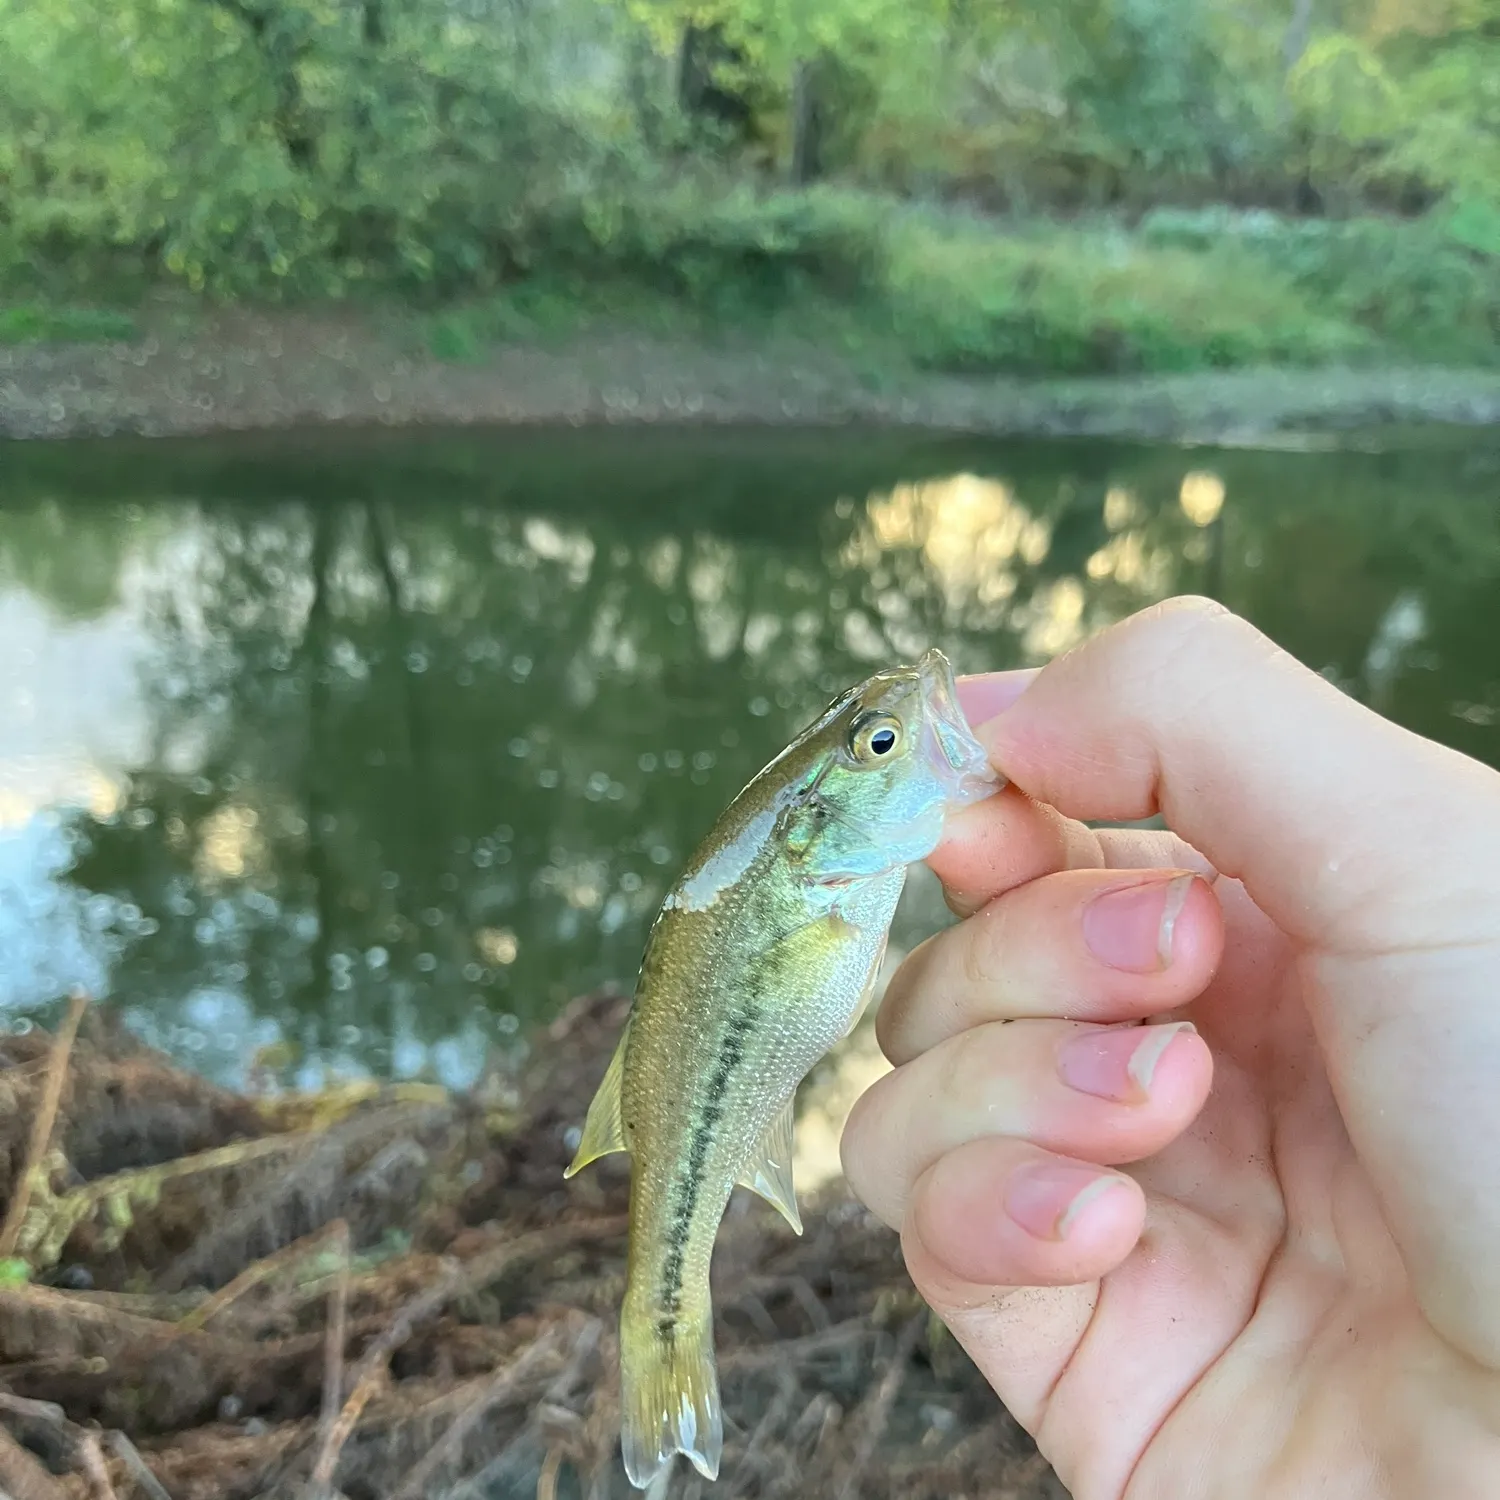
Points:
1117	1064
1046	1198
1132	928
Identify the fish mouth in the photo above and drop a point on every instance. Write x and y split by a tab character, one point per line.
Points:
969	773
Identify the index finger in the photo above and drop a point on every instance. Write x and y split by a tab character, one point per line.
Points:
1324	809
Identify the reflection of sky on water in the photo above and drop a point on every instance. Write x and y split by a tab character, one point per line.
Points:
320	790
53	937
71	715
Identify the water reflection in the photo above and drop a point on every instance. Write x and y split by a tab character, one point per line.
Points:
362	760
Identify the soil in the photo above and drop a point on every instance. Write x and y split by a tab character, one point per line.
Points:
199	369
390	1291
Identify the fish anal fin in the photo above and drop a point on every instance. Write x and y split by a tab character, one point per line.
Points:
770	1172
603	1128
669	1397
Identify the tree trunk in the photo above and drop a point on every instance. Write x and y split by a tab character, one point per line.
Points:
281	54
806	165
1298	33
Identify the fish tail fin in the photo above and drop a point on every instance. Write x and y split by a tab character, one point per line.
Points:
669	1395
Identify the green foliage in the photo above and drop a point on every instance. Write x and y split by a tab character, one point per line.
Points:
26	323
1415	284
254	148
705	243
1414	104
524	170
1074	303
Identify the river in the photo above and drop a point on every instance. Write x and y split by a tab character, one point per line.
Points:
358	753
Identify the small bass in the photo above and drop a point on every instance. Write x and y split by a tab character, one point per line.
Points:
760	960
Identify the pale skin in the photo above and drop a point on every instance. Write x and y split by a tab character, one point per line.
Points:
1264	1261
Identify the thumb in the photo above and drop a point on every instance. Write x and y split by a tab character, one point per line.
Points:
1376	851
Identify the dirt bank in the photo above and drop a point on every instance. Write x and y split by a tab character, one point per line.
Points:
204	370
382	1293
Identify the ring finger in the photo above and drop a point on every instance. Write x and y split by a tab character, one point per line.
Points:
1099	1094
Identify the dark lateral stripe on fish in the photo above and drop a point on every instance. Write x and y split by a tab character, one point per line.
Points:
689	1185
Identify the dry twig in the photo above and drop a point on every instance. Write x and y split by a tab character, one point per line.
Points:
333	1351
86	1449
42	1123
259	1271
129	1455
419	1477
41	1411
95	1471
461	1278
876	1407
338	1324
546	1481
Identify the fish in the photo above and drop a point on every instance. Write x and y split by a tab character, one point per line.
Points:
760	959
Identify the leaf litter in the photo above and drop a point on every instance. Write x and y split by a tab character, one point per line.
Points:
389	1293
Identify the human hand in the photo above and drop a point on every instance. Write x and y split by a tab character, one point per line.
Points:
1294	1287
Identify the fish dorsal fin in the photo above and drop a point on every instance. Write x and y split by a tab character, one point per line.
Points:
770	1171
603	1131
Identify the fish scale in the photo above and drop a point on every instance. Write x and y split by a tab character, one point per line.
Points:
761	958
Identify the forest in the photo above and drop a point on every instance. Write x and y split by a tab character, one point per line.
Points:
1062	187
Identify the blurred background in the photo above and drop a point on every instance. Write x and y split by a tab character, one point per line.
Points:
358	751
1044	187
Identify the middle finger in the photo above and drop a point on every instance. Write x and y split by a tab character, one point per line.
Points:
1104	1095
1092	945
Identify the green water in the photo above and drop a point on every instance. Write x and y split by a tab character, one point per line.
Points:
379	747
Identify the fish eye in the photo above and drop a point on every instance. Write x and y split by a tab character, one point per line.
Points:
875	736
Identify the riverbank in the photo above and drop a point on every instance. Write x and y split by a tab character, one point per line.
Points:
383	1292
222	370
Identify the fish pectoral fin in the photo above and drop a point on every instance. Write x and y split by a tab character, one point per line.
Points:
770	1172
603	1129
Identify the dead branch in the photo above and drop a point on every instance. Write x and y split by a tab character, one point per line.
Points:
546	1481
95	1470
419	1477
323	1159
129	1455
333	1357
42	1124
259	1271
40	1411
480	1373
757	1451
548	1412
22	1475
875	1410
461	1279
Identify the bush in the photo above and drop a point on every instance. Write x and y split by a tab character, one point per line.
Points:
713	244
1412	283
1079	302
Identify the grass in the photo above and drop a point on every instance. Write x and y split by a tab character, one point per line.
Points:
888	286
883	285
32	323
1073	302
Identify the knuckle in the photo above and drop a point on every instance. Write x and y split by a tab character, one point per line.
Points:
970	1062
953	1066
856	1146
1191	623
981	941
